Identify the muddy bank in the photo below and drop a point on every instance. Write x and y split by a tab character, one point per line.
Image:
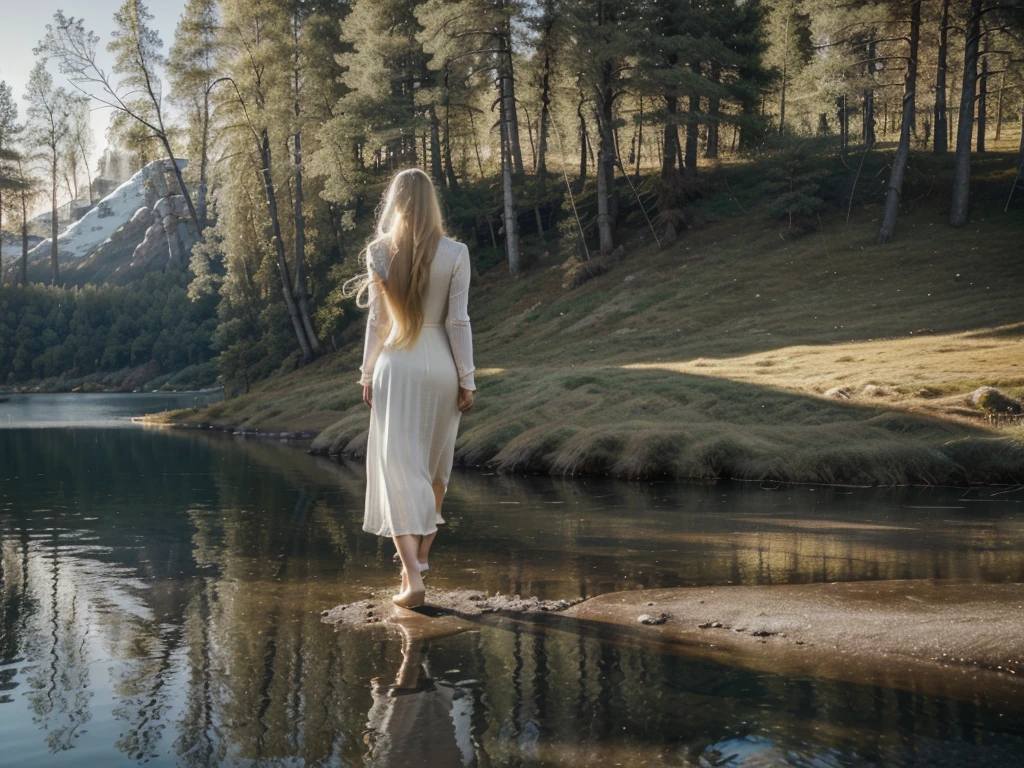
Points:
948	637
945	638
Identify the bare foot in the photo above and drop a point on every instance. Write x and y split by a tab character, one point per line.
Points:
410	598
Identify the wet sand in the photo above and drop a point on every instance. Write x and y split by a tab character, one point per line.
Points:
946	637
941	637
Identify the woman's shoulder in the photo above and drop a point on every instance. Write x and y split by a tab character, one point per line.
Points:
452	248
378	256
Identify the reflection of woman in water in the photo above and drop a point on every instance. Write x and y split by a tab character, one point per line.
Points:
419	721
417	371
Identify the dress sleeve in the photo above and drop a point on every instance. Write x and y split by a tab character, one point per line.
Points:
460	336
374	342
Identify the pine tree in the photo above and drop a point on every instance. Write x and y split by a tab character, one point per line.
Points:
545	25
27	191
479	32
965	125
136	95
9	132
941	121
899	164
788	33
254	34
192	72
604	36
82	141
48	112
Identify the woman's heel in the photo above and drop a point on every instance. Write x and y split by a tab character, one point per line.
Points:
414	598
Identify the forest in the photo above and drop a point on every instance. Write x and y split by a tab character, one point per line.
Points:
580	128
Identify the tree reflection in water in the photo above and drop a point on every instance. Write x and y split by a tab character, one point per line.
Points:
160	598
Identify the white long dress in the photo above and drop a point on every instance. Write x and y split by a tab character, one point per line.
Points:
415	417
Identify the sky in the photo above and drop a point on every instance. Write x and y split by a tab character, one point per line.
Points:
22	29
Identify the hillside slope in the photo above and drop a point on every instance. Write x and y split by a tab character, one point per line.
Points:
713	359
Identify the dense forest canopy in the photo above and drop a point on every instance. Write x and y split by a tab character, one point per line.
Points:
545	124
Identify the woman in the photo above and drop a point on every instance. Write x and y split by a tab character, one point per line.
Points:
417	371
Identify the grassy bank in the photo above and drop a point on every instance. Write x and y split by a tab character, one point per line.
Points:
713	358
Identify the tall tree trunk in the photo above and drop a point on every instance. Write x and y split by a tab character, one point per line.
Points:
545	92
670	149
692	127
869	100
204	163
982	104
508	93
1020	163
844	124
490	229
54	262
300	247
604	218
782	96
639	139
88	173
714	115
509	217
533	145
436	167
24	240
999	107
607	205
282	261
941	122
449	168
959	207
476	143
899	165
181	183
583	142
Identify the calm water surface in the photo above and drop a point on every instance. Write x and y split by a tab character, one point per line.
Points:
160	596
94	409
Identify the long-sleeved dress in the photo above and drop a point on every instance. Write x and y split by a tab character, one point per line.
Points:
415	417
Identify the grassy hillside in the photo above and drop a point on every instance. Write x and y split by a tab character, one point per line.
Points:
713	358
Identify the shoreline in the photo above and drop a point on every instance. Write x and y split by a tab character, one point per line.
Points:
109	391
312	441
946	638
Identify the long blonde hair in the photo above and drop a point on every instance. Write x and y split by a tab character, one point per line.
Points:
411	226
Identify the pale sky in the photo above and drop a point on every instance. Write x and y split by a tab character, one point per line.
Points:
24	24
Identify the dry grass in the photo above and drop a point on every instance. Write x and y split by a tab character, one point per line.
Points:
711	359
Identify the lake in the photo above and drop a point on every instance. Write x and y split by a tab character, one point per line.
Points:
160	594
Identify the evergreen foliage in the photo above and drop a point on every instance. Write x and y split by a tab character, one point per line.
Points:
50	332
574	126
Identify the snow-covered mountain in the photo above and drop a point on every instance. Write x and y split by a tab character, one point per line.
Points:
133	230
116	209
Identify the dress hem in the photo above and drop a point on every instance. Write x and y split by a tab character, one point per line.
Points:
386	534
